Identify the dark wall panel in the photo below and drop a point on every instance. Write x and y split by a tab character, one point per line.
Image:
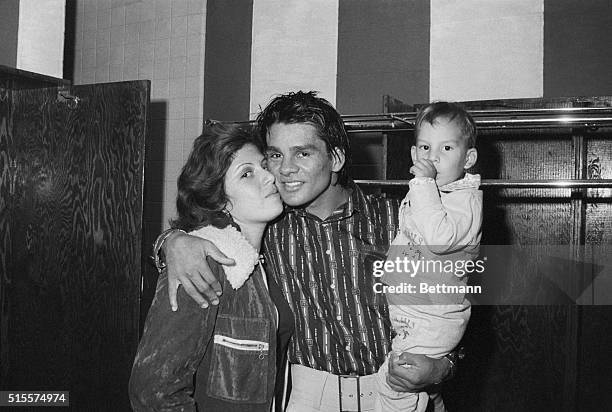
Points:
76	223
594	355
577	58
383	48
9	24
227	71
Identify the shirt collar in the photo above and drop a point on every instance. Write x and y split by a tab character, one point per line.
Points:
469	181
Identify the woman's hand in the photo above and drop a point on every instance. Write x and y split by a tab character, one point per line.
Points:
409	372
185	258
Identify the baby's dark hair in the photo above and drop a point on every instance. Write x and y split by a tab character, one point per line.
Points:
451	112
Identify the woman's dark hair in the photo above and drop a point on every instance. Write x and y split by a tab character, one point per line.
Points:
306	107
201	190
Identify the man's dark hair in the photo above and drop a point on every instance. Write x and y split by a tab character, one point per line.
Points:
306	107
201	189
451	112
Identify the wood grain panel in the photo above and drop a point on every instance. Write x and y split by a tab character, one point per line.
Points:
515	360
77	241
594	356
14	79
5	239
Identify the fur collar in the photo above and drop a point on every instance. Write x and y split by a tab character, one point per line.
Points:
234	245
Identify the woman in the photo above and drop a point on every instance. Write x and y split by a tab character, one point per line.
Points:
222	358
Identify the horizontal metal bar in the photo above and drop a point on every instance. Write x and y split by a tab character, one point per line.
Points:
565	117
499	112
543	183
591	117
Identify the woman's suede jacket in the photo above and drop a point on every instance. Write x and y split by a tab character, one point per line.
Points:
222	358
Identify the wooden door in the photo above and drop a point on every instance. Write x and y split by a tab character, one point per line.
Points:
72	283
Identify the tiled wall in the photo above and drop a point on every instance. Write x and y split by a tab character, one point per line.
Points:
158	40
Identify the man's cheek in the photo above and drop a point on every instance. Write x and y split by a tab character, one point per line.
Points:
274	168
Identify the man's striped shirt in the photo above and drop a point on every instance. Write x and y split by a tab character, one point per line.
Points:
325	270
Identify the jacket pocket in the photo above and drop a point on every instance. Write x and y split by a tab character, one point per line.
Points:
240	363
262	348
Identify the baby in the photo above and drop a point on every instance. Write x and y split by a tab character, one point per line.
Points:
439	222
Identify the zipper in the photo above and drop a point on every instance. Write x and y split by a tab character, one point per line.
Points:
243	344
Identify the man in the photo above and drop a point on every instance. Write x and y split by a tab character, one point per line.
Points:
321	252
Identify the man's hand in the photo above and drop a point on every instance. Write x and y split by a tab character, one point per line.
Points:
187	265
424	168
413	373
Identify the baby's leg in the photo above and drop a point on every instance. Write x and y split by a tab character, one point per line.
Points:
437	401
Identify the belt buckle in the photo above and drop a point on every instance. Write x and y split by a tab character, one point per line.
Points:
349	399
